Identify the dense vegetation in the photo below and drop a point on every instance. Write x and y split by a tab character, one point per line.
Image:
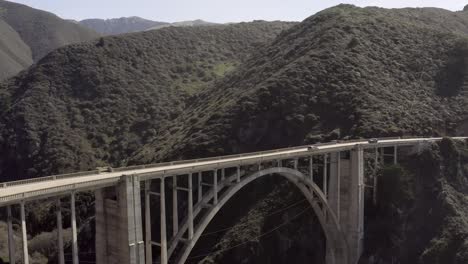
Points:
96	103
422	212
120	25
345	72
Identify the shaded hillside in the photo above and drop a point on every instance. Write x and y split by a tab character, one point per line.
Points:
96	103
345	72
422	214
120	25
15	55
42	31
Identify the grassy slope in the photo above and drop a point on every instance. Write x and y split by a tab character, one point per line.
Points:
96	103
346	71
43	31
15	55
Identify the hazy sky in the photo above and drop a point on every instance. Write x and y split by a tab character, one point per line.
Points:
214	10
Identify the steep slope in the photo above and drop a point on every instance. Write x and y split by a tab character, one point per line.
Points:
95	103
345	72
121	25
422	213
42	31
15	55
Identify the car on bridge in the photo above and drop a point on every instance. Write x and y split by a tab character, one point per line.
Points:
373	141
312	148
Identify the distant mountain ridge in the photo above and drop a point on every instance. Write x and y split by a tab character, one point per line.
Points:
121	25
15	55
28	34
116	26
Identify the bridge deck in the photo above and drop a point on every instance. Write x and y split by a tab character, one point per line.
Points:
53	185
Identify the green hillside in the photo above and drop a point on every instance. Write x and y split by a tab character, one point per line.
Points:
96	103
42	31
345	72
15	55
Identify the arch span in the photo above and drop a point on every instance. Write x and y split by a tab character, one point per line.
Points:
336	242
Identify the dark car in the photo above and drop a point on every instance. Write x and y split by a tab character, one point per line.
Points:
373	141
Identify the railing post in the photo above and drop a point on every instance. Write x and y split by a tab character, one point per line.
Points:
280	163
238	174
215	187
74	229
149	248
61	255
395	155
175	210
223	175
11	238
295	164
24	234
190	207
162	197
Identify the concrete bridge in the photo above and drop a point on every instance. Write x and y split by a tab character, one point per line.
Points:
331	177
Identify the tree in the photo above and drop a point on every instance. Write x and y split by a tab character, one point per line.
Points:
465	8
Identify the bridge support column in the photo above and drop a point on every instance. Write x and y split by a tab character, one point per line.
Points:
175	209
163	245
190	207
74	230
11	239
334	188
353	223
325	175
311	168
119	235
148	237
24	234
61	255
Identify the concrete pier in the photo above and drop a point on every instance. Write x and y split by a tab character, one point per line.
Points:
119	235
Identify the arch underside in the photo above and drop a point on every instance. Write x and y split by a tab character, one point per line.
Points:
336	242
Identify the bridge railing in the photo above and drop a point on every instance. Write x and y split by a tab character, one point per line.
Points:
48	178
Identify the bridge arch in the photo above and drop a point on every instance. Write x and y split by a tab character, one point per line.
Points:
336	242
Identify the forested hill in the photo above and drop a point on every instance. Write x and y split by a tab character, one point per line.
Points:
95	103
344	72
28	34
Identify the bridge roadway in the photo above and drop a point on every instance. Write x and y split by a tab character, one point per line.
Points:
13	192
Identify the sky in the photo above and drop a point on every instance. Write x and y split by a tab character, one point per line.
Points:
220	11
